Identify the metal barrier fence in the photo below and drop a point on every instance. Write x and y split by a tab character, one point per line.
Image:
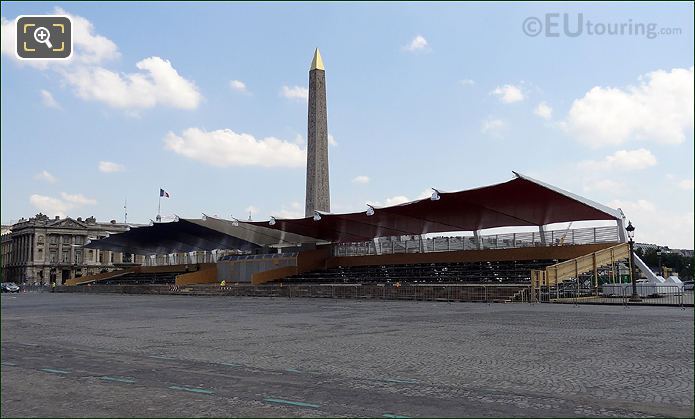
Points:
392	245
565	293
34	288
187	258
418	292
620	294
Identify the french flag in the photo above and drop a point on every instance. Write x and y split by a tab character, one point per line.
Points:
163	193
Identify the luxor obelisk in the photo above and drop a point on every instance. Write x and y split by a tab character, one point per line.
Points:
318	197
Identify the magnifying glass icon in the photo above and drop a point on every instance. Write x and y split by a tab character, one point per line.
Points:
43	36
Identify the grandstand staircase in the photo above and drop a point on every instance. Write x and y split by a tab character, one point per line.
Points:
554	275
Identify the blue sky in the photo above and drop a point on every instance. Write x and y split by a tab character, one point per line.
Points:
447	95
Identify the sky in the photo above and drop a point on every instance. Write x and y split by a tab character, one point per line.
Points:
208	101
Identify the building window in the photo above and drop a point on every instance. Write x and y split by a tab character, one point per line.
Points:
66	257
39	239
79	239
101	256
40	254
54	257
90	255
78	256
67	239
53	239
111	257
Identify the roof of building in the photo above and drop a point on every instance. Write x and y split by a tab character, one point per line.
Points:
163	238
522	201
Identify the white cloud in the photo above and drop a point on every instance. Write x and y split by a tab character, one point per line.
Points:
238	86
295	92
493	127
157	84
49	206
658	109
466	82
603	185
299	140
77	199
293	210
225	148
660	225
544	111
396	200
45	176
508	93
9	37
110	167
54	206
48	100
88	47
418	43
331	140
622	160
427	193
686	184
399	199
361	179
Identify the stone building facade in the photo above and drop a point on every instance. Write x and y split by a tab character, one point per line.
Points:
42	250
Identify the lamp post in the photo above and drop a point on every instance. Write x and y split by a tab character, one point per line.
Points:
631	235
661	270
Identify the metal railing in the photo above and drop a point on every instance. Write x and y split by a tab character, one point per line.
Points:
417	292
391	245
187	258
34	288
620	294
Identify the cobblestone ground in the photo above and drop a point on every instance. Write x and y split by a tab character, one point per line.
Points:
136	355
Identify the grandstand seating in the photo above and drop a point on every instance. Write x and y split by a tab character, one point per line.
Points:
509	272
142	278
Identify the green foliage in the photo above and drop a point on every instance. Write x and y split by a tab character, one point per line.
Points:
681	264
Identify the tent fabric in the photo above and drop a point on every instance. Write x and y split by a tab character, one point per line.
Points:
522	201
164	238
261	235
519	202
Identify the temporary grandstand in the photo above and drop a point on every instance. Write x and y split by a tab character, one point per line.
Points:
437	240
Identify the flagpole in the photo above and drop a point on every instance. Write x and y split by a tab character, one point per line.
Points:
159	207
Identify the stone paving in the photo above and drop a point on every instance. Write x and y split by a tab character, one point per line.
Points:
142	355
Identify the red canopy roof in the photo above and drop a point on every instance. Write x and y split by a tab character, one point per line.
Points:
519	202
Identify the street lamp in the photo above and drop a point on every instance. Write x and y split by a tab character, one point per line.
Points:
661	270
631	235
